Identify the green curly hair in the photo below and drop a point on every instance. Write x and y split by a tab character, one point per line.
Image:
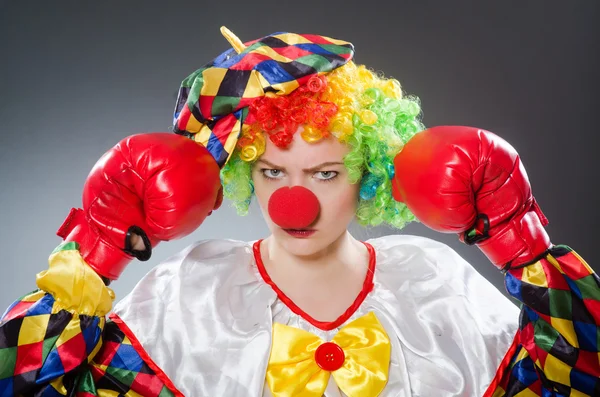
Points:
366	111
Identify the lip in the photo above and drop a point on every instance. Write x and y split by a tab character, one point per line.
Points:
300	233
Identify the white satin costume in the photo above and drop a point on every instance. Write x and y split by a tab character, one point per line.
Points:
206	318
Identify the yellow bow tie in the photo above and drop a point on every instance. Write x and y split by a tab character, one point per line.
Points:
358	358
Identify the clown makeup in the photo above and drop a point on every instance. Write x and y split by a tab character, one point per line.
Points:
318	167
322	262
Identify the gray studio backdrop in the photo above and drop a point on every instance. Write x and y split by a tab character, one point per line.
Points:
77	76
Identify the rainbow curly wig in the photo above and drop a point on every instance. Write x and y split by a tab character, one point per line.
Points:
367	112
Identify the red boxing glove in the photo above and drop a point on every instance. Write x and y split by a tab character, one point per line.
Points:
160	186
469	181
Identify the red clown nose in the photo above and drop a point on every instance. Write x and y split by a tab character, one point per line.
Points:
293	208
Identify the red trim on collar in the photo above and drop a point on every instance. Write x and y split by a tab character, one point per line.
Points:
144	356
324	325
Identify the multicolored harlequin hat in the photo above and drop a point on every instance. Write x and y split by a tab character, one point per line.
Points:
213	101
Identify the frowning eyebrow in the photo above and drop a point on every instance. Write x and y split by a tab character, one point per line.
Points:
311	169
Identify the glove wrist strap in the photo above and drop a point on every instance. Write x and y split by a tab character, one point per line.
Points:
105	258
521	240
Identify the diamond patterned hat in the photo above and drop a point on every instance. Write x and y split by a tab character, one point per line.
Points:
213	101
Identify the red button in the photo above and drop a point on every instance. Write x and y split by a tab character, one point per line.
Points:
329	356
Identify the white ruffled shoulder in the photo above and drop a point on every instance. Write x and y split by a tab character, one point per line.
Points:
453	326
204	318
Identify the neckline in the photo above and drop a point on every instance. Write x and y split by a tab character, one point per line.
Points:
323	325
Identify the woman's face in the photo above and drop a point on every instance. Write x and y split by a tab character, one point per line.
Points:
318	167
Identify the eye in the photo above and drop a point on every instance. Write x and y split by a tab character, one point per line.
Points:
326	175
272	173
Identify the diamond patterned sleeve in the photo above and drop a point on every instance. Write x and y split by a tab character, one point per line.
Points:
57	342
122	368
556	351
48	336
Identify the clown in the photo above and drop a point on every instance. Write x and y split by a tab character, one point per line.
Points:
309	310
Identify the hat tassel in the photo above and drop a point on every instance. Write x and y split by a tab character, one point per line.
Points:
235	42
